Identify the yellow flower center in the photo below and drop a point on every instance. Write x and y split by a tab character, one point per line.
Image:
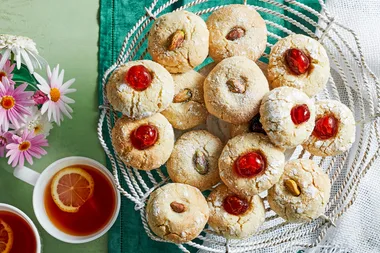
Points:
37	129
7	102
24	146
55	94
2	74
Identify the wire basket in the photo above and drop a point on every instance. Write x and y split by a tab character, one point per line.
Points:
351	82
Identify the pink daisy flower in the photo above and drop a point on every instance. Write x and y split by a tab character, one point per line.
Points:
25	148
13	104
5	138
56	90
6	71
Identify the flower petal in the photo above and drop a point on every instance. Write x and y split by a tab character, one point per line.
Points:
5	57
28	157
63	109
67	99
45	107
60	79
18	57
27	61
67	84
41	80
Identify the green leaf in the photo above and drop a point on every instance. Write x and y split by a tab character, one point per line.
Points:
23	75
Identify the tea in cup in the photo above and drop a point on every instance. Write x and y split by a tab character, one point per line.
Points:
75	198
17	231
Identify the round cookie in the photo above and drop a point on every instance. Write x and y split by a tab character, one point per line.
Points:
179	41
334	131
138	104
287	116
144	144
234	88
250	164
234	223
194	160
188	109
301	62
236	30
302	193
177	212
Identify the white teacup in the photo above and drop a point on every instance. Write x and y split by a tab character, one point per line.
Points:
40	182
12	209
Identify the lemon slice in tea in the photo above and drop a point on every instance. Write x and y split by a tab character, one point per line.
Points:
6	237
71	188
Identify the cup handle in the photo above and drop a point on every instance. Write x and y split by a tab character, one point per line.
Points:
27	175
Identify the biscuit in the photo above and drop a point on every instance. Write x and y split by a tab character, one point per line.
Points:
137	104
151	157
236	30
177	212
234	226
302	193
234	88
345	128
250	164
287	116
314	79
179	41
188	108
194	160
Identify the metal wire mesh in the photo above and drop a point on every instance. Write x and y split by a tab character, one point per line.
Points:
351	82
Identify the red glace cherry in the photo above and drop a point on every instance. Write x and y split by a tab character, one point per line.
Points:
144	136
249	164
326	127
300	114
297	61
235	205
138	77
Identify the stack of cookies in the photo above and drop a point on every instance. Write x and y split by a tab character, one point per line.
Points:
260	110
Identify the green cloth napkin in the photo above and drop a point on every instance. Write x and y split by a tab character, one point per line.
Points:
117	17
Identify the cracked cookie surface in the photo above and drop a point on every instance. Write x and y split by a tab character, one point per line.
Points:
234	226
140	104
188	108
190	52
345	136
242	144
147	159
311	82
252	27
314	186
177	212
194	159
234	88
276	119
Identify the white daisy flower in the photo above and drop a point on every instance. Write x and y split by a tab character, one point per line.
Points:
56	91
36	123
24	50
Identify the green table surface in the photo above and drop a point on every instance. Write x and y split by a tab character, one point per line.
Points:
66	32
